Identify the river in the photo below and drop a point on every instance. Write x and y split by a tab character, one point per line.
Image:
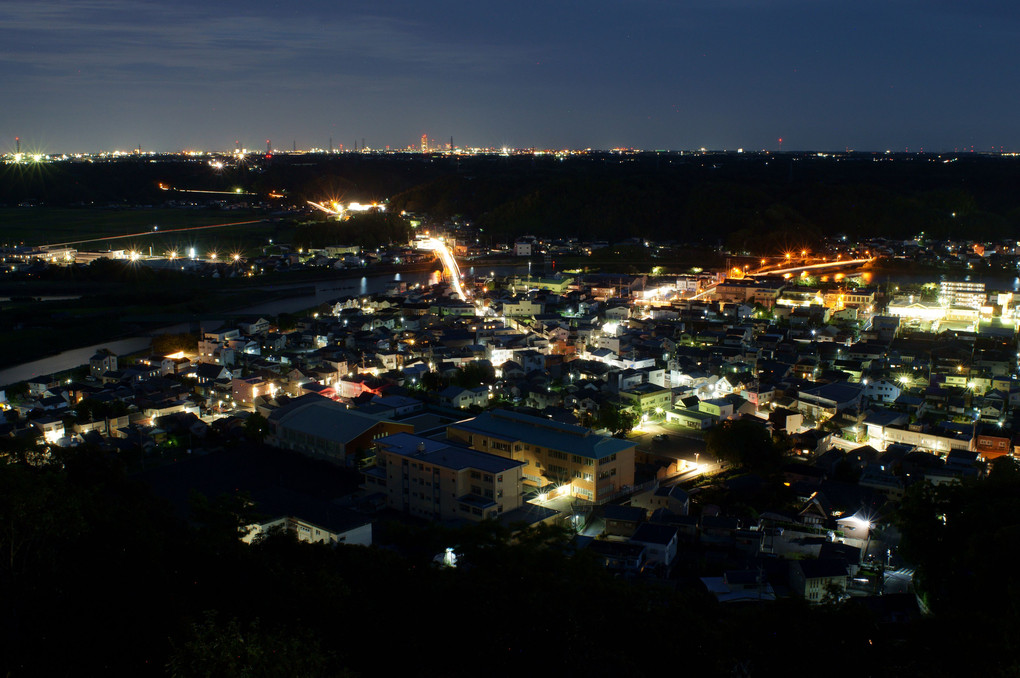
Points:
325	291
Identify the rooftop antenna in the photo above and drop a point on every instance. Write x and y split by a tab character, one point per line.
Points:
269	147
17	142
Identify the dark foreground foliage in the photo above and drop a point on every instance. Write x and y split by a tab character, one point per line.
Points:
97	577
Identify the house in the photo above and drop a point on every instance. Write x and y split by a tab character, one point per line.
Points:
51	428
246	390
787	421
38	386
253	327
828	400
660	542
674	499
207	373
622	521
691	418
402	405
463	398
620	556
814	579
740	586
309	520
647	398
102	362
881	390
992	442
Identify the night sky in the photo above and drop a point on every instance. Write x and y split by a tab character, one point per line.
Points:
82	75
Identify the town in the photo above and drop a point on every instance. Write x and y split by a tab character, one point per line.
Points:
752	427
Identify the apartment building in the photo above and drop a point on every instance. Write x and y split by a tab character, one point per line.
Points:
569	460
441	480
962	293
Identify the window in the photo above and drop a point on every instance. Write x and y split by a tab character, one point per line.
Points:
475	475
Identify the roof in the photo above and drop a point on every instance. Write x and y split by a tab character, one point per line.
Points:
279	501
328	420
654	533
616	549
838	392
626	513
818	569
515	426
445	454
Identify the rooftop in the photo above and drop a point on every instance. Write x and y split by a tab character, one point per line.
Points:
514	426
445	454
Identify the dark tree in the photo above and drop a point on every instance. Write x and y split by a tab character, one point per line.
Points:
743	443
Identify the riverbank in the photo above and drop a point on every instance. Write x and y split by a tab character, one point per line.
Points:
290	296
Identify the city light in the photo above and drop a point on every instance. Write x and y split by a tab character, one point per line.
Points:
449	262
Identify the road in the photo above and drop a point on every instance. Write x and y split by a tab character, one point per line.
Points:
680	445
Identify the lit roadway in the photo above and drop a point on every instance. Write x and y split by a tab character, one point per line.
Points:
449	263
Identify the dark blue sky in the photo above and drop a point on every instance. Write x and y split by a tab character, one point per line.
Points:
82	75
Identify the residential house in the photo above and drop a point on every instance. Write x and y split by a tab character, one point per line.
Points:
814	579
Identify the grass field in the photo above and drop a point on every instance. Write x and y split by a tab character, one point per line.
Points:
50	225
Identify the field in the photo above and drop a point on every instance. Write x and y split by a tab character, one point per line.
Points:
51	225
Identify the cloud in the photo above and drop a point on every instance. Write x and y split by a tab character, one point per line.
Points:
130	43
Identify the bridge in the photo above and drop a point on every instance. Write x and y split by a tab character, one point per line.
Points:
449	262
839	263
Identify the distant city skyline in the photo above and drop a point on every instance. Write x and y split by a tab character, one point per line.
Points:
90	75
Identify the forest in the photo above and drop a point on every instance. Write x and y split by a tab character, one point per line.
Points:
743	201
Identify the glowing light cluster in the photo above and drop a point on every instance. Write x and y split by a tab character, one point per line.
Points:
449	263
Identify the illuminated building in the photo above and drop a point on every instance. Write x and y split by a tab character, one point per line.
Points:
959	293
750	291
560	458
439	480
